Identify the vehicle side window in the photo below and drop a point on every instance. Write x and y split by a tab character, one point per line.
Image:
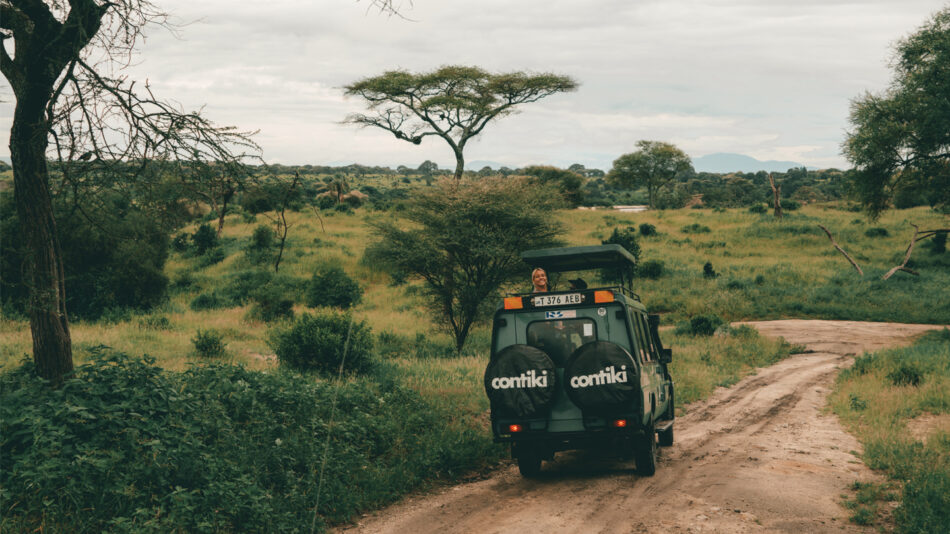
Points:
558	339
642	339
651	344
638	333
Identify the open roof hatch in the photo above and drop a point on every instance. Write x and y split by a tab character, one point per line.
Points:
563	259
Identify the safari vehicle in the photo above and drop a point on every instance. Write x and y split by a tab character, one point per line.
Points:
579	368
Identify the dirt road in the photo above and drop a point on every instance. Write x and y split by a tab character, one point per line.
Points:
760	456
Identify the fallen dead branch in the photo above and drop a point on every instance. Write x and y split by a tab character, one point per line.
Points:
841	250
910	250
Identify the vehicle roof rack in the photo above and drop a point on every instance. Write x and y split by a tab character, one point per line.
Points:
563	259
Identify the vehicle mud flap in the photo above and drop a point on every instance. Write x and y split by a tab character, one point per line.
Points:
520	382
601	376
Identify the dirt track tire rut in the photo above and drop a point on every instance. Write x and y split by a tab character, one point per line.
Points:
761	456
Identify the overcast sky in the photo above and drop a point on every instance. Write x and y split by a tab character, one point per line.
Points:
771	79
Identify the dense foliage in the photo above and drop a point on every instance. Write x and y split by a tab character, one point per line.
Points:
331	286
114	259
900	144
126	447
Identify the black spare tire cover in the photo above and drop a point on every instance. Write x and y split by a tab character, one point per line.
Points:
601	375
520	382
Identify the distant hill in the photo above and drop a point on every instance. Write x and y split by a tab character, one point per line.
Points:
723	163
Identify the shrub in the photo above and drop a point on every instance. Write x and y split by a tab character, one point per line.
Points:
343	208
204	239
155	322
700	325
708	271
212	257
939	244
326	202
876	232
905	375
208	343
758	209
206	301
260	247
790	205
651	269
331	286
319	343
270	304
695	228
180	243
647	229
627	238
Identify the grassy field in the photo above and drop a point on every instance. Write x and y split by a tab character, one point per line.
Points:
764	269
897	402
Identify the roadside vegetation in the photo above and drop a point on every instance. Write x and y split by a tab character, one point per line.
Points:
897	402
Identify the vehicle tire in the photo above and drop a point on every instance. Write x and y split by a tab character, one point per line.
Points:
645	451
521	382
529	461
666	436
592	359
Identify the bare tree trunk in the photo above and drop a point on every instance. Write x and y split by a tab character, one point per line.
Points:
903	265
228	195
459	165
777	201
841	250
49	325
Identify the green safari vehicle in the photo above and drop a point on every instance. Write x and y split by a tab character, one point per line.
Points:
580	368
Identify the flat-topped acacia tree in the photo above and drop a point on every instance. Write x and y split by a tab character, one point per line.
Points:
452	102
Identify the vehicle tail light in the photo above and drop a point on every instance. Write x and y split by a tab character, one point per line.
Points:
603	296
620	423
513	303
515	428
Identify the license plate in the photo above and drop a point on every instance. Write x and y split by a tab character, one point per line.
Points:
557	300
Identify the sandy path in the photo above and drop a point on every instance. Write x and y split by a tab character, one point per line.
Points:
759	456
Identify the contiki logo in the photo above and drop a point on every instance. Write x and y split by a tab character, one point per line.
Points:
608	376
529	379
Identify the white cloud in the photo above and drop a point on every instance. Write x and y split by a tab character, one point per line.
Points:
767	78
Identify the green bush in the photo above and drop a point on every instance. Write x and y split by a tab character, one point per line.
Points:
123	446
319	343
758	209
270	304
627	238
261	246
326	202
331	286
700	325
876	232
206	301
208	343
939	243
212	257
647	229
651	269
905	375
695	228
204	239
708	271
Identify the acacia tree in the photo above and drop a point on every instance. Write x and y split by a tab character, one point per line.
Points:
104	131
465	242
452	102
901	137
654	165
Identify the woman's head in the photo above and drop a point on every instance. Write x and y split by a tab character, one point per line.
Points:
539	279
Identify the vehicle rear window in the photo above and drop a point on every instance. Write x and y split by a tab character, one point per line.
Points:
562	337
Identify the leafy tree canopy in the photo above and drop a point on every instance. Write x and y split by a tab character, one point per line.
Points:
901	137
567	182
465	243
653	165
453	102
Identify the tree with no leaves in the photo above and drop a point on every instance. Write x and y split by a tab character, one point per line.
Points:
104	132
654	165
452	102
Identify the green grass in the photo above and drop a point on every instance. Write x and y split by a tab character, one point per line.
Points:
876	401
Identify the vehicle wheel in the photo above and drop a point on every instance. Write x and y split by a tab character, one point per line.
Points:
645	451
529	461
666	436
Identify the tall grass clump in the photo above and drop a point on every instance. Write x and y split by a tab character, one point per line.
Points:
877	397
123	446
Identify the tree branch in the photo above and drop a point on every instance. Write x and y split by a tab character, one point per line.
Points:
841	250
910	250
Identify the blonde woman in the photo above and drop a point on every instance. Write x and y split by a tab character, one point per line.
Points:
539	279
